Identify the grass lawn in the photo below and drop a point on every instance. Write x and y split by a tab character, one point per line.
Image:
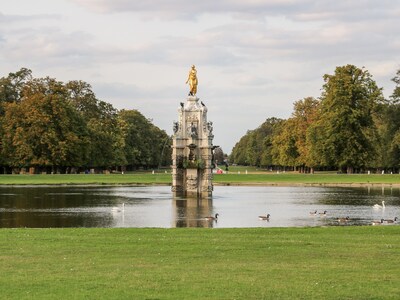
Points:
340	262
234	178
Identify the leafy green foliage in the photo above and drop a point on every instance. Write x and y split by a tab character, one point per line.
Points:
45	123
351	127
255	147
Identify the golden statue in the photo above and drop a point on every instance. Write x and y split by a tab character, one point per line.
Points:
192	79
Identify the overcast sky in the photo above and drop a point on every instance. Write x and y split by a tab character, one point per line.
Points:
254	58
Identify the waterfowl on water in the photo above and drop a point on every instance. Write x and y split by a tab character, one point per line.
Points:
211	218
118	208
323	214
264	217
391	221
313	213
343	219
377	222
377	206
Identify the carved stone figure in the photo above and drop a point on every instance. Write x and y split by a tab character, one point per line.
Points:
210	127
176	127
191	182
193	130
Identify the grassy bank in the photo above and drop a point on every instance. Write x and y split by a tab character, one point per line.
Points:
260	178
136	178
288	263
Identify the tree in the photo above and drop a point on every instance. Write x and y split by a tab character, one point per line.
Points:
145	144
11	91
290	145
43	129
345	125
11	86
219	155
255	147
285	152
238	154
396	93
388	123
105	136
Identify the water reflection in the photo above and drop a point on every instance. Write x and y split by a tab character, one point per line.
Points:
192	212
154	206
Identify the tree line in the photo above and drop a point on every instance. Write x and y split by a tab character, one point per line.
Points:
350	128
51	126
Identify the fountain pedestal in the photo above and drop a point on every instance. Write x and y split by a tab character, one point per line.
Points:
192	151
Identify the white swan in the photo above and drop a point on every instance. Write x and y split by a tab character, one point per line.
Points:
377	206
118	209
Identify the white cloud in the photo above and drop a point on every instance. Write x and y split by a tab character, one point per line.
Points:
254	58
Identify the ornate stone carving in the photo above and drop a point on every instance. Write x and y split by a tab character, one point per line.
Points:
207	188
210	127
192	130
176	127
191	182
192	118
177	188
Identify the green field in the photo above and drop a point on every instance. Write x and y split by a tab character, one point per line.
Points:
234	178
263	263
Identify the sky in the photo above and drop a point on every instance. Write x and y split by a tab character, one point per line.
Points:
254	58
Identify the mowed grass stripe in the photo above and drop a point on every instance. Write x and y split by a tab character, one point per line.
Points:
340	262
230	178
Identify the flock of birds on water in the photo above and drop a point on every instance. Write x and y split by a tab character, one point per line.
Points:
325	214
347	219
312	213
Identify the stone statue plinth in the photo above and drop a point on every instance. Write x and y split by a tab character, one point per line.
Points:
192	150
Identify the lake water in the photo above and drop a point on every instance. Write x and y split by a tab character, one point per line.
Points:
155	206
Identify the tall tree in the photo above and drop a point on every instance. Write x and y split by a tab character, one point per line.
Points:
106	140
43	129
304	115
389	130
285	152
348	102
290	145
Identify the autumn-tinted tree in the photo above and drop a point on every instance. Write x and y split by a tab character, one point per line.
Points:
43	129
48	124
290	146
284	150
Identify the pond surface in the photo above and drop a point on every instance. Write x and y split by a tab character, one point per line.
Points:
155	206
